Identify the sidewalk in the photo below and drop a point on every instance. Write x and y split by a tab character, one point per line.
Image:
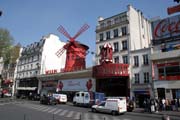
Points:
170	113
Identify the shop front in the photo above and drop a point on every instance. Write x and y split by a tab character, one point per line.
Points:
67	83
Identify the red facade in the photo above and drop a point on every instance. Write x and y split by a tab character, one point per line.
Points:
110	70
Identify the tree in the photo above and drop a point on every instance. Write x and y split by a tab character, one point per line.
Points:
6	40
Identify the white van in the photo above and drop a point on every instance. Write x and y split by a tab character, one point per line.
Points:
61	98
84	98
113	106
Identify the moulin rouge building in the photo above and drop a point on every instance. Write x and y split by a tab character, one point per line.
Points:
108	77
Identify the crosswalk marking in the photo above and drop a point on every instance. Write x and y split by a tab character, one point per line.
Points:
58	111
70	114
51	111
46	109
74	115
77	116
63	112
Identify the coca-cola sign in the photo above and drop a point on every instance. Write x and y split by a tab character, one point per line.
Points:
166	28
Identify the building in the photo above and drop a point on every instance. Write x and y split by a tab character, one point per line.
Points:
36	59
166	57
8	71
1	68
141	70
129	33
68	82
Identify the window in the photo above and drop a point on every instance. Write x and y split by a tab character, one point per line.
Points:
100	48
115	33
102	25
136	61
109	22
124	30
145	59
124	45
116	20
116	47
116	59
146	77
171	72
136	77
107	35
125	59
101	37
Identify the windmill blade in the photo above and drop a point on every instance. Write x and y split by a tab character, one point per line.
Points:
60	52
82	29
62	30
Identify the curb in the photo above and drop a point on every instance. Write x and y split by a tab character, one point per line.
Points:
156	115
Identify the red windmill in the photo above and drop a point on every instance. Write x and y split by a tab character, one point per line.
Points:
75	51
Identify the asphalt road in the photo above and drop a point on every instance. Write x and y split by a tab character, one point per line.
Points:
30	110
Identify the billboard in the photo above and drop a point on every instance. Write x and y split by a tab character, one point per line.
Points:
166	28
84	84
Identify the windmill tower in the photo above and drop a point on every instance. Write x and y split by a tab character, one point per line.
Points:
75	51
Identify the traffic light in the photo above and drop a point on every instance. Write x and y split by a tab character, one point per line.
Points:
0	13
177	1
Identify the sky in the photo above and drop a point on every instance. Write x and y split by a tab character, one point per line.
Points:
29	20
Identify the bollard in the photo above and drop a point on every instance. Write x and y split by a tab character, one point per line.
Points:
104	118
24	116
53	116
80	117
165	117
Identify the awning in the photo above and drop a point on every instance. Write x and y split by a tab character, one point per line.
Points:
144	92
26	88
8	81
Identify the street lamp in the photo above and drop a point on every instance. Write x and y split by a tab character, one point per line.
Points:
0	13
177	1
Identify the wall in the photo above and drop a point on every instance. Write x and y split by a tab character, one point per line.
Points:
50	60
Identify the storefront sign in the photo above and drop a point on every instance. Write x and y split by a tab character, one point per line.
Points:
51	71
165	28
86	84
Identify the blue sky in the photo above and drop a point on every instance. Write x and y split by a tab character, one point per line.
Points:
29	20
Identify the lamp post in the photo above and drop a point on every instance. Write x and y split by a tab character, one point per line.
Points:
0	13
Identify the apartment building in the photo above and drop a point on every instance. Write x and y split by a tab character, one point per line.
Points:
36	59
166	57
141	70
130	35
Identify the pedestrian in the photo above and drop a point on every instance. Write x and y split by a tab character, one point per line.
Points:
152	104
156	105
145	105
176	105
163	104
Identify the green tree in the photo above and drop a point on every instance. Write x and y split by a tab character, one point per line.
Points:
6	41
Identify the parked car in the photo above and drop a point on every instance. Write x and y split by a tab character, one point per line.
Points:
113	106
48	100
61	98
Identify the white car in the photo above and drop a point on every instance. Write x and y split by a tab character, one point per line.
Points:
113	106
61	98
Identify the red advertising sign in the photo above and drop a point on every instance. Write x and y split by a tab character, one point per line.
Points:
173	9
166	28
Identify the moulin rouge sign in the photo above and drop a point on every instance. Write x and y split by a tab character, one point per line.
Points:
165	28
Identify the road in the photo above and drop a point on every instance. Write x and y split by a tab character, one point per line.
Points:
32	110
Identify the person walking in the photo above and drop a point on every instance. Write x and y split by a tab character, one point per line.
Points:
176	105
163	104
152	104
